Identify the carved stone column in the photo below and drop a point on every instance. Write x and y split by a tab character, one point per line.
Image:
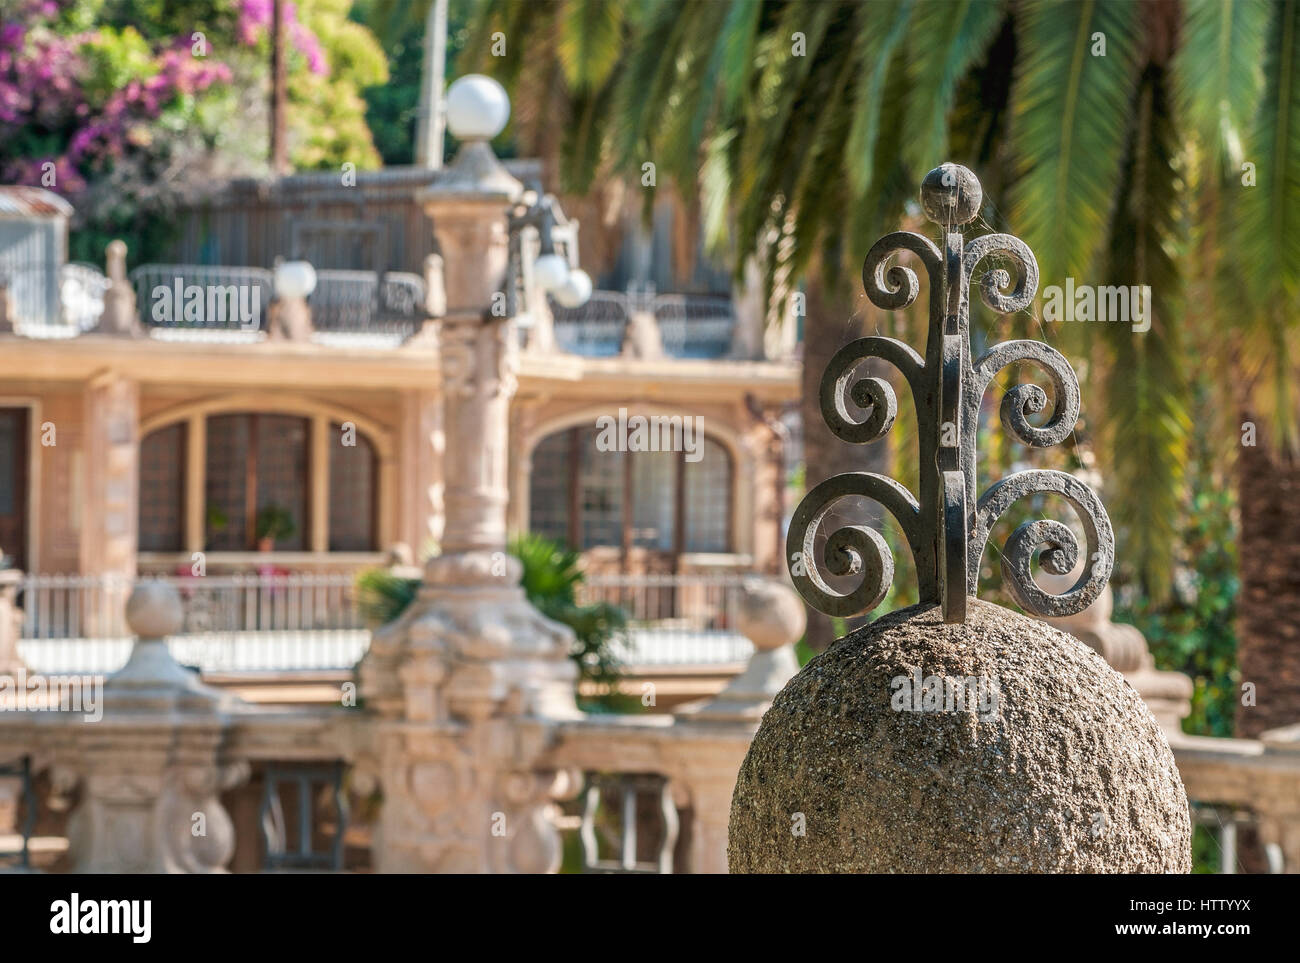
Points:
152	769
469	681
112	453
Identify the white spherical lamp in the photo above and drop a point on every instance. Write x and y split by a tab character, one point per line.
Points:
550	271
575	290
477	108
294	279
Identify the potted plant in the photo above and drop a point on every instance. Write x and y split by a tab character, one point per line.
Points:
273	522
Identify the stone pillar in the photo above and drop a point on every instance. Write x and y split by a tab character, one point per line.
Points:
8	307
112	454
716	735
119	316
290	319
423	444
11	618
152	770
468	682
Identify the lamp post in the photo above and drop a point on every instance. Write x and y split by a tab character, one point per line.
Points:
469	682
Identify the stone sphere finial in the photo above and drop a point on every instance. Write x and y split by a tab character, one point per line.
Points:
770	614
951	194
994	745
154	610
477	108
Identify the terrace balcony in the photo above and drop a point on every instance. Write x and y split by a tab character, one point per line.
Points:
351	309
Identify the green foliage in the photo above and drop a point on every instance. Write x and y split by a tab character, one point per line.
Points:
382	595
1070	115
1193	631
274	522
327	111
551	576
550	580
1219	75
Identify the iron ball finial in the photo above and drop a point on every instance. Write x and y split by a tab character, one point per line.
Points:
951	194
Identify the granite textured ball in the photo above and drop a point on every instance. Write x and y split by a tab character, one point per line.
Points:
996	745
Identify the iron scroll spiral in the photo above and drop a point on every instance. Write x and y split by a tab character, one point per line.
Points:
946	527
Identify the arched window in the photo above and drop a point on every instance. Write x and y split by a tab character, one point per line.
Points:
263	484
662	501
352	490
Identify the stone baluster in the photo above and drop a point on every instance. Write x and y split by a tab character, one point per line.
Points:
716	735
119	316
151	770
10	620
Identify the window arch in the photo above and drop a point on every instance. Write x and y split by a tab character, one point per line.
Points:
667	501
305	480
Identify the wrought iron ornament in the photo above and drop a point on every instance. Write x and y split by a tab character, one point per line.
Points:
947	528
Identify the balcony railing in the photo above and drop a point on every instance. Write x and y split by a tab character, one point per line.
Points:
304	622
690	325
596	328
353	302
233	299
694	325
232	623
673	619
345	304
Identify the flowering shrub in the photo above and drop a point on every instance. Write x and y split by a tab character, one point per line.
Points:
129	111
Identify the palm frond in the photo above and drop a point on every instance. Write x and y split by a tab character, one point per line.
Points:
883	26
1218	76
1147	426
944	41
1265	247
1069	108
590	42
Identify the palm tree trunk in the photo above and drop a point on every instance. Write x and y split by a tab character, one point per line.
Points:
832	320
1268	636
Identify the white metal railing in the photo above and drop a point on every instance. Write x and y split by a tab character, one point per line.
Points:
290	622
77	623
596	328
673	619
690	325
695	325
352	302
165	299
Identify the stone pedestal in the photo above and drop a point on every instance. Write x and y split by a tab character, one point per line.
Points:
712	737
152	770
995	745
290	320
771	616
